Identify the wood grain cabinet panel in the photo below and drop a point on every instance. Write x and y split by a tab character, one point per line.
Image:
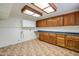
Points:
69	43
77	18
46	37
56	21
41	36
61	40
44	23
52	38
69	19
59	21
51	22
76	43
39	23
72	42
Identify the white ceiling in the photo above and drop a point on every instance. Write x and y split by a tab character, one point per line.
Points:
14	10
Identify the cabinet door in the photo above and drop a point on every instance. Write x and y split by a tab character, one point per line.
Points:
56	21
69	19
39	23
41	36
51	22
52	38
44	23
45	37
77	18
59	21
60	40
76	43
69	43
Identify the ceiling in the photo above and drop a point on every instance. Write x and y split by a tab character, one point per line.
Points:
14	10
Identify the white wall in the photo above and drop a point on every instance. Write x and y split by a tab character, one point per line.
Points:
10	31
28	23
28	29
61	29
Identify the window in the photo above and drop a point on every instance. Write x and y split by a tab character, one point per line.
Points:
46	7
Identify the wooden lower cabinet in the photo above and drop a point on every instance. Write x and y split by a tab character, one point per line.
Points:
67	41
72	42
41	36
60	40
46	37
52	38
76	43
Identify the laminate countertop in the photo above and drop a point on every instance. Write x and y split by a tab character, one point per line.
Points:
58	32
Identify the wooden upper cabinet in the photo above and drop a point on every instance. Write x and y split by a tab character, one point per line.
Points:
44	23
41	23
51	22
69	19
77	18
59	21
56	21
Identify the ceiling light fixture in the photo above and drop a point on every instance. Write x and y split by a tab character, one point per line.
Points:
46	7
30	11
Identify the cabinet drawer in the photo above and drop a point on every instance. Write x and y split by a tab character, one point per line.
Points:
60	38
60	41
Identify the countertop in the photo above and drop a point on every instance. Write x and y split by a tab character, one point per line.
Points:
58	32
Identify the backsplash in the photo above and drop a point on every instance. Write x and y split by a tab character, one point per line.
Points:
61	29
